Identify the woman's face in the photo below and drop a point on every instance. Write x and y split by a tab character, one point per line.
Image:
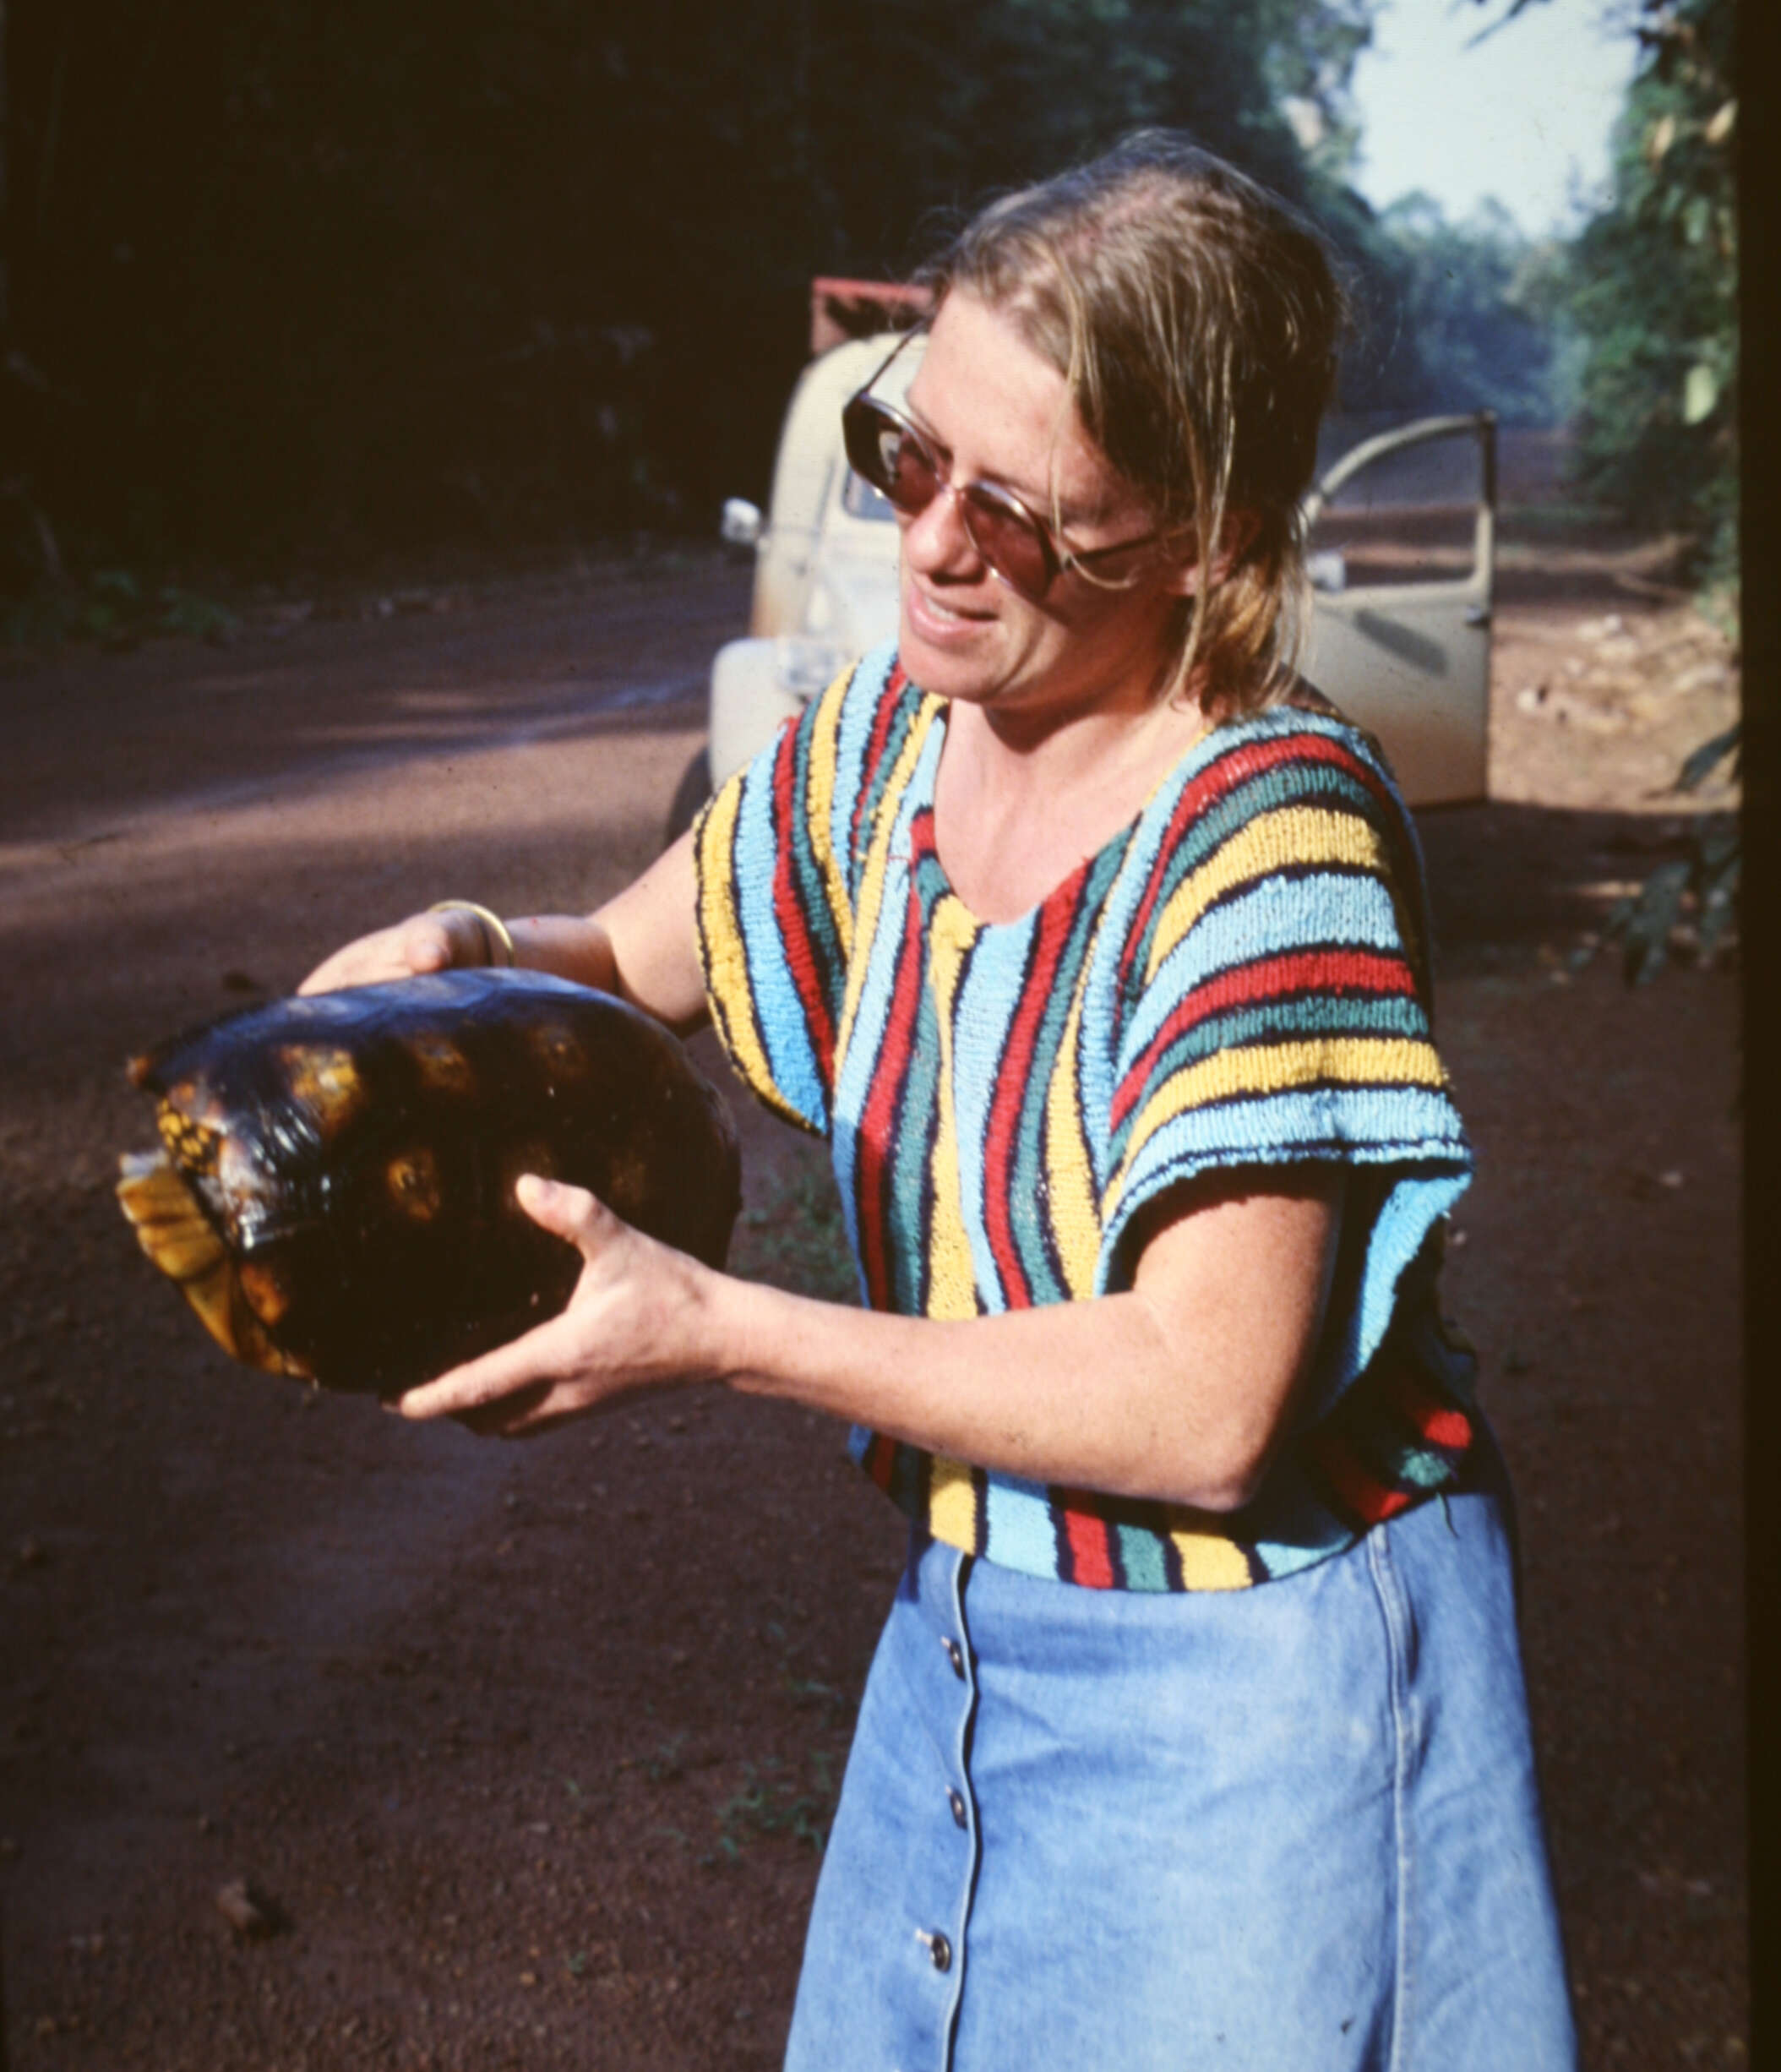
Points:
995	411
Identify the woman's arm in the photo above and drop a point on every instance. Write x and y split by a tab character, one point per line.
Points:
643	945
1177	1390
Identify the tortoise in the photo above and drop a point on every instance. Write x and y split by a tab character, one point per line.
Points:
335	1193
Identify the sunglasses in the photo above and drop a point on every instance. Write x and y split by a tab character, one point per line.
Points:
886	450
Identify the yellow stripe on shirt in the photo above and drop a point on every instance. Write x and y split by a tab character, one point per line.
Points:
1075	1214
726	973
952	1503
1390	1062
824	757
878	856
1211	1561
1294	837
951	1274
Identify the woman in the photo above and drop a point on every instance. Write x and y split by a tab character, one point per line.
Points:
1094	941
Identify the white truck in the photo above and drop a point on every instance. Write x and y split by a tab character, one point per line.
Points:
1402	532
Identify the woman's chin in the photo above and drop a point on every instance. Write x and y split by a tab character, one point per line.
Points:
950	659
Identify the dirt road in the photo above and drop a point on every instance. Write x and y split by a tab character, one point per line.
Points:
527	1750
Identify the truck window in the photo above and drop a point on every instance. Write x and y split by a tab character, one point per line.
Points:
1408	517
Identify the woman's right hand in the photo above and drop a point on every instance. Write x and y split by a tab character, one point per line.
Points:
423	943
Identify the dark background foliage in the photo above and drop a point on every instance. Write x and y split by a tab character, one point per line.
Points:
284	284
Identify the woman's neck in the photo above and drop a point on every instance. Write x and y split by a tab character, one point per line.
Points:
1018	808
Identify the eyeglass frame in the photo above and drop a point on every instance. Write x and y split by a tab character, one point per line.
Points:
1058	557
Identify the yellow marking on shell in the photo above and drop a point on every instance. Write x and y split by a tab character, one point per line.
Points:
323	1079
627	1181
170	1225
412	1180
557	1051
194	1145
266	1290
443	1067
172	1231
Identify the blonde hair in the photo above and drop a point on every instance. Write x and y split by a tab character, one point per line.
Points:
1196	319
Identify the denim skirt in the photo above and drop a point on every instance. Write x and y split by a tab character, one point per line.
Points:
1293	1828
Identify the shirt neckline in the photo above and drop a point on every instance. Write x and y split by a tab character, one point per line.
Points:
1064	890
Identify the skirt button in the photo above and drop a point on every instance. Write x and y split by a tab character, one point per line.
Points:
939	1948
956	1655
956	1800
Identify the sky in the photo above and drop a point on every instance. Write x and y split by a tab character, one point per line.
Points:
1524	117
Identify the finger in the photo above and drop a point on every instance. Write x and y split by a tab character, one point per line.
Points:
386	955
525	1365
566	1212
428	947
526	1410
321	979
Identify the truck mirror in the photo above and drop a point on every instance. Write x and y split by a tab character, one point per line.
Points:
741	523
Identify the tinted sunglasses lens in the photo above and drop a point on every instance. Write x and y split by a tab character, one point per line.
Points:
1008	539
887	453
883	451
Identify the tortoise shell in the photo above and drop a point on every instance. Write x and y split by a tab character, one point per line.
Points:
335	1193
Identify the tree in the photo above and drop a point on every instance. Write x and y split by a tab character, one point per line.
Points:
1655	297
1472	313
1653	293
313	278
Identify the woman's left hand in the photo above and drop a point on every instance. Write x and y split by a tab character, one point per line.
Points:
634	1322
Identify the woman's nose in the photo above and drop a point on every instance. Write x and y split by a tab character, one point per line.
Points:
936	542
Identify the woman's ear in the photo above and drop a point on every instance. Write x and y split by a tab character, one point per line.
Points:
1237	536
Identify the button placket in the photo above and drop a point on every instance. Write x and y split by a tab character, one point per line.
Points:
946	1946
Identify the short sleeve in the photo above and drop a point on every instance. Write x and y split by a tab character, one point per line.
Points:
774	856
1276	1011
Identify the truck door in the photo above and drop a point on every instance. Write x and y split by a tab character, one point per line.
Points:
1402	534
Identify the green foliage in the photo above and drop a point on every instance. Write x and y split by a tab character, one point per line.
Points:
1465	316
771	1803
796	1238
1653	292
1693	897
114	607
309	281
1653	297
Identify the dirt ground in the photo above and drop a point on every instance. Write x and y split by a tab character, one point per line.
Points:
526	1752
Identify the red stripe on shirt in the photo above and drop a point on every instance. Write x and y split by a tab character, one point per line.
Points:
1356	1488
1012	1075
1241	767
889	699
789	910
1091	1551
880	1116
880	1459
1269	978
1438	1422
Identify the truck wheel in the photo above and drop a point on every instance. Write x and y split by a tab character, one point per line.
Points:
691	793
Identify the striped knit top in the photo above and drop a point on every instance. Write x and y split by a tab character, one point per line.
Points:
1238	979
